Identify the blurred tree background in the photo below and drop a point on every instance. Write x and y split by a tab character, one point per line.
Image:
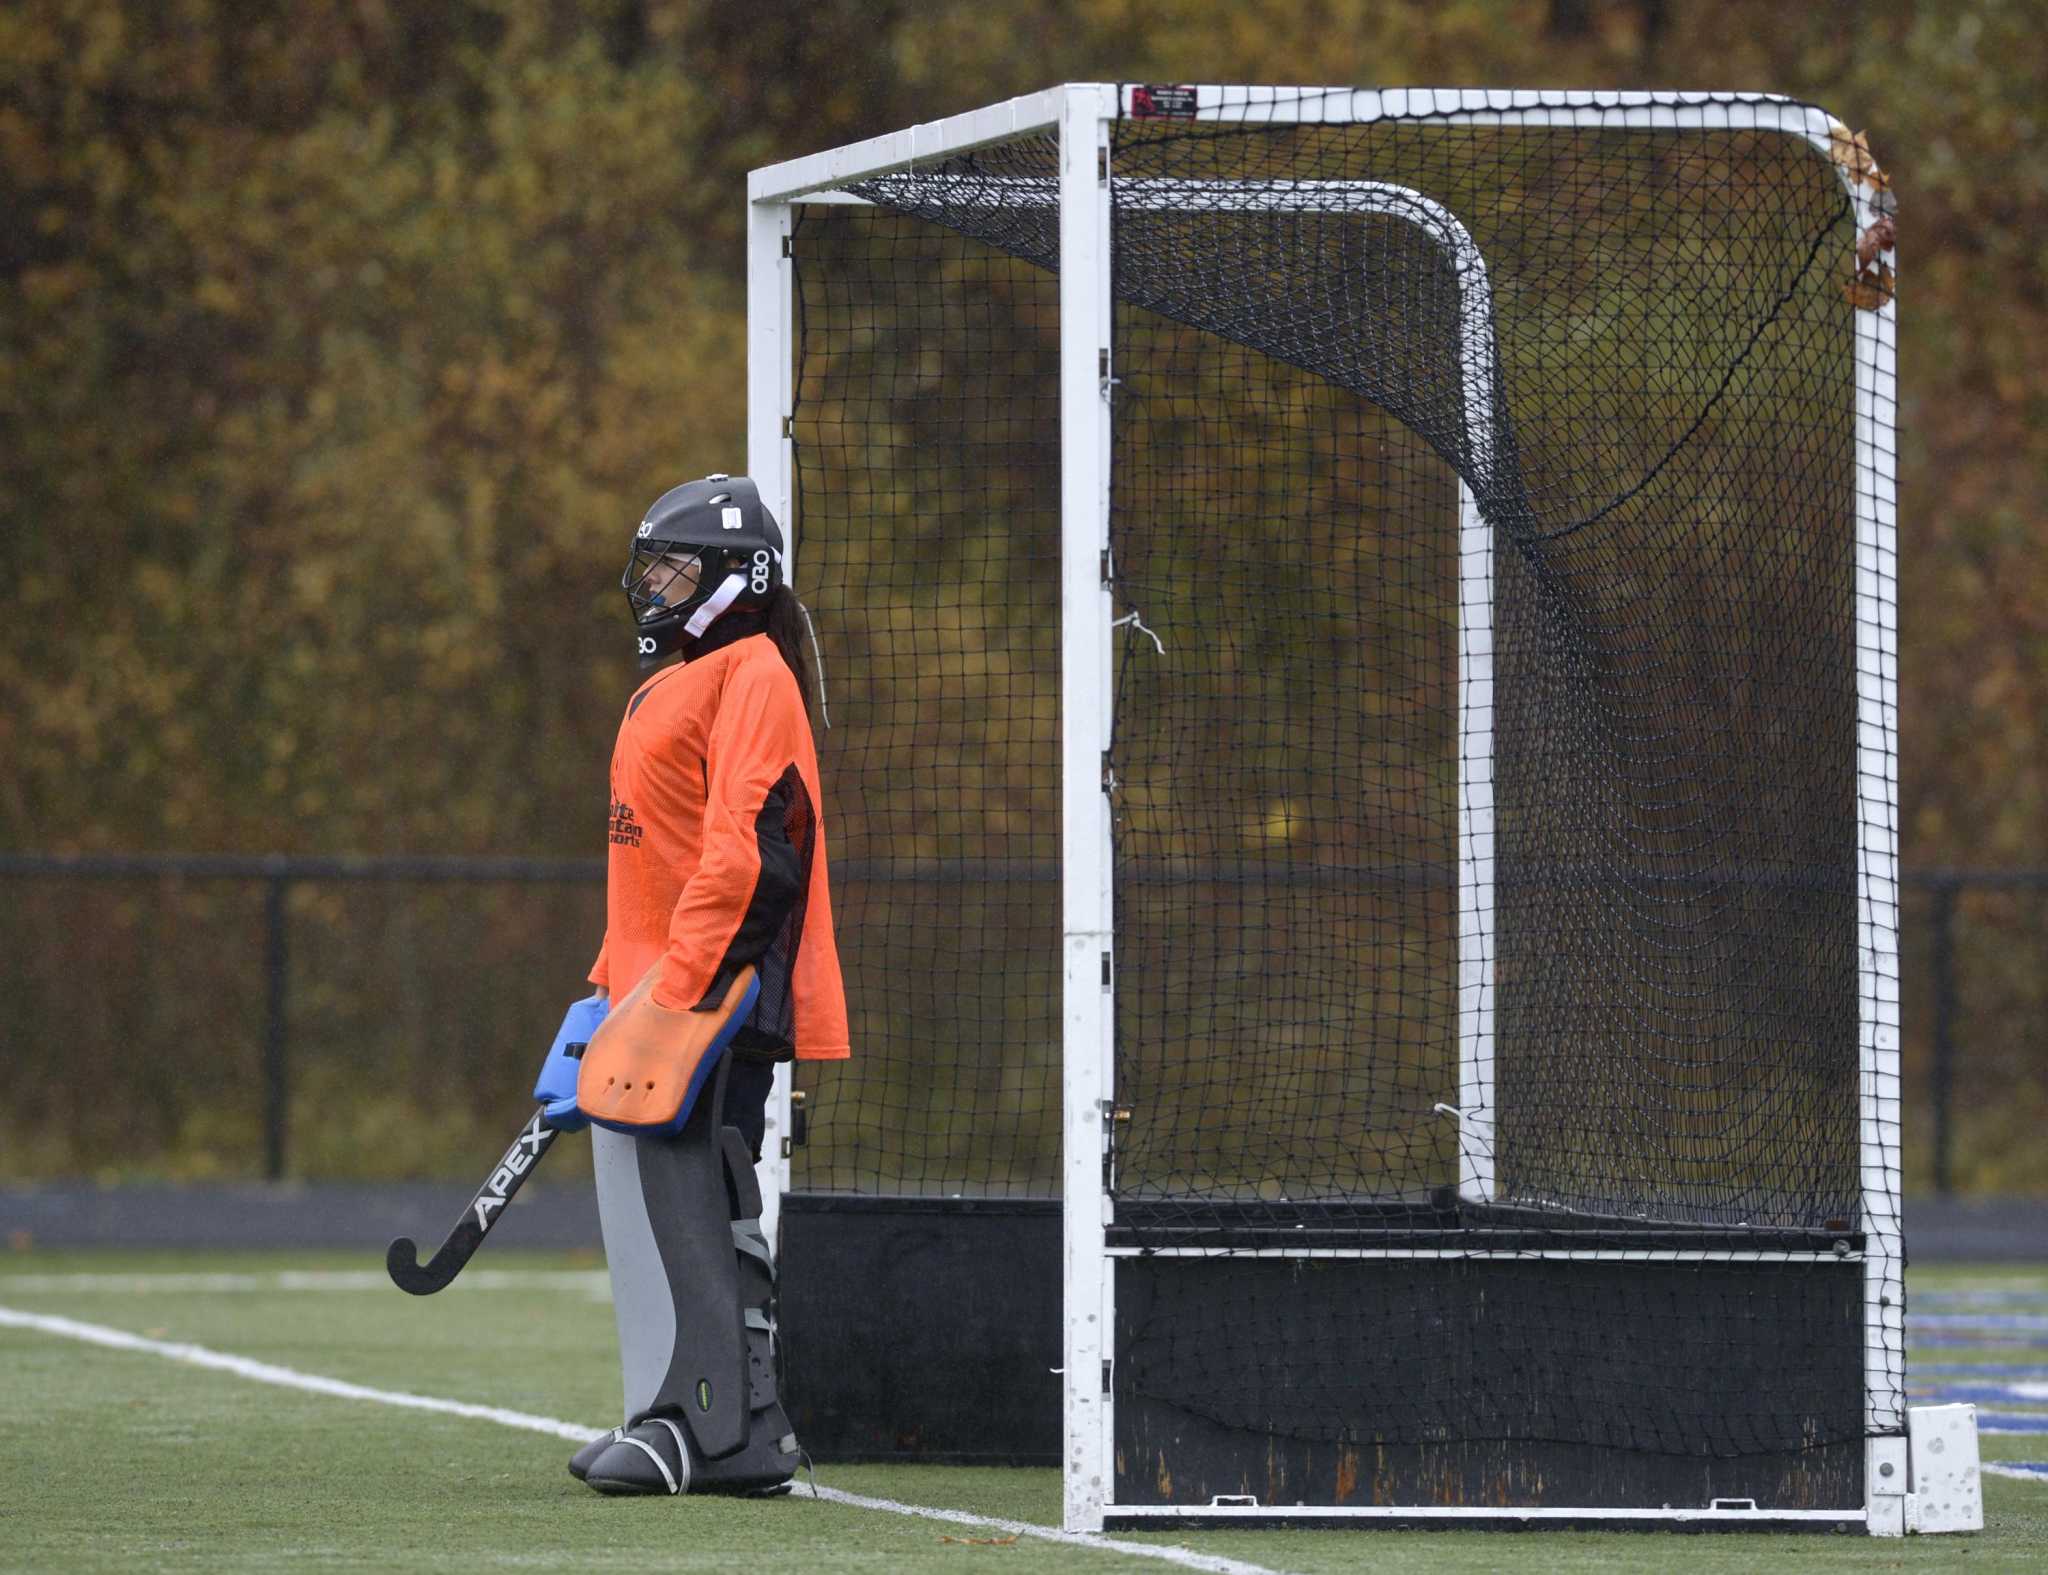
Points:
341	343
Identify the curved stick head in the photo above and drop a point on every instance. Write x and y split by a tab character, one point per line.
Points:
402	1263
402	1260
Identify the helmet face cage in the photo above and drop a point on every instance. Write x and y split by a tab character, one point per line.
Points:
657	579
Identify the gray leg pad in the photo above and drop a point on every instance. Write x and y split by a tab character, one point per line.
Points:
676	1280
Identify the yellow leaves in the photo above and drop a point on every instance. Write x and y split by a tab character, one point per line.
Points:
154	584
217	295
47	289
27	40
313	579
99	45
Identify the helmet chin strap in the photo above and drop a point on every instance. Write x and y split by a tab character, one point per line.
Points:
715	604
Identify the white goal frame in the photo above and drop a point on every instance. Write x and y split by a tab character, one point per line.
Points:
1082	115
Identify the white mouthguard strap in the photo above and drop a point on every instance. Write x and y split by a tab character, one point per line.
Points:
715	604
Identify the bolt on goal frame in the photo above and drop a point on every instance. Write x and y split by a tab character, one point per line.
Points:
1471	577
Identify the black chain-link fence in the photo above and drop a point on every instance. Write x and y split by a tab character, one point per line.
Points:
197	1017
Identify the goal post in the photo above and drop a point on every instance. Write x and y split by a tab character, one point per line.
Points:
1361	629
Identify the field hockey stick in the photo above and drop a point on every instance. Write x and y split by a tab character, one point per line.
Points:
403	1258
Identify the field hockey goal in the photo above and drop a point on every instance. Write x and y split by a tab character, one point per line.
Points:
1359	634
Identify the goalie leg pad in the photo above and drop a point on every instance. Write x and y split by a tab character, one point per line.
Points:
757	1289
676	1279
770	1457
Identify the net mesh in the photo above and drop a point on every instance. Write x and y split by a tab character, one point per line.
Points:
1483	536
928	548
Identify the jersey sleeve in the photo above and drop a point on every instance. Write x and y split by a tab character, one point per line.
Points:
749	874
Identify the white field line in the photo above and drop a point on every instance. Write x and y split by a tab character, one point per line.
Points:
284	1377
2022	1471
313	1383
1185	1557
178	1283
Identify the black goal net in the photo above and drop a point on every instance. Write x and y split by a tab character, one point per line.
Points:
1488	972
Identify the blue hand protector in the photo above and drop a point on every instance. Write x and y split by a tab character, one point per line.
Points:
555	1088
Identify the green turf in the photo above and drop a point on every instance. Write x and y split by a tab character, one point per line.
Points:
1978	1277
122	1460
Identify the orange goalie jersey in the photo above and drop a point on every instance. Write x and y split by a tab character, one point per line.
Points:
718	850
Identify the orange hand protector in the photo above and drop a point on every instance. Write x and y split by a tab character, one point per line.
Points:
646	1065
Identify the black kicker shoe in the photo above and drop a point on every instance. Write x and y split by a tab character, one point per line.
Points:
580	1462
651	1457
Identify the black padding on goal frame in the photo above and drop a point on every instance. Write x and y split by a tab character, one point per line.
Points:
922	1328
930	1329
1353	1414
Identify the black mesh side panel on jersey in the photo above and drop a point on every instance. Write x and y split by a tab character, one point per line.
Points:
788	829
1483	525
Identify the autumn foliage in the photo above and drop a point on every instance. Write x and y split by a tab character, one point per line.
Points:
341	343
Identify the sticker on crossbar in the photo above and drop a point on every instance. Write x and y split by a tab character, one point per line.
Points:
1155	102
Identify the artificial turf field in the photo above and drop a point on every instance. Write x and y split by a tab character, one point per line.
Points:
131	1459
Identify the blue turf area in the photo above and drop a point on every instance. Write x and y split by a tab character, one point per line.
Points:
2011	1390
1985	1394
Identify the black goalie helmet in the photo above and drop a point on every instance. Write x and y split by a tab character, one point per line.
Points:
704	549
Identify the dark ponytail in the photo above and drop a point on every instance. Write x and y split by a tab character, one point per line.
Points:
784	624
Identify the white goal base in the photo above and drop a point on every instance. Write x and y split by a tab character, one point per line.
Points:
1946	1479
1730	1514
